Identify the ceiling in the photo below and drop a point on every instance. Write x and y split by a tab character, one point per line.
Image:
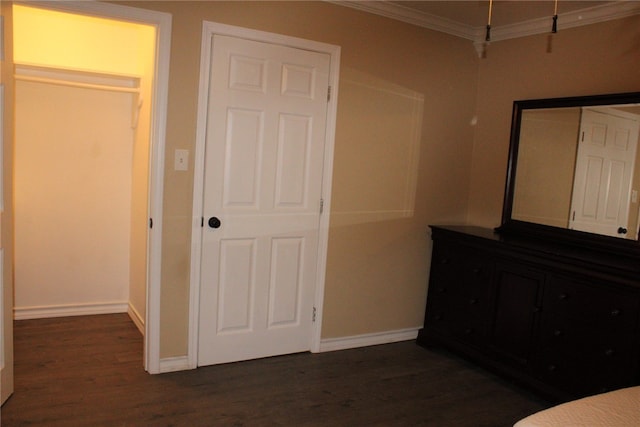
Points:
509	18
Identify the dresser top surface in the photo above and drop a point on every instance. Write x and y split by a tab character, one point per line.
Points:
554	251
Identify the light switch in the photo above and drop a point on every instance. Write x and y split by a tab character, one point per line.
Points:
181	160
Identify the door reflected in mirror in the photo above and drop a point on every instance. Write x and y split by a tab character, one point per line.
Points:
576	169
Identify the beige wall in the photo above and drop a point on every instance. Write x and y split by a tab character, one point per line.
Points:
454	156
378	250
378	245
595	59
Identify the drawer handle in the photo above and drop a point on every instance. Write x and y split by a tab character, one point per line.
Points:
536	309
438	317
444	260
441	289
468	331
563	297
473	301
551	368
476	270
615	312
609	352
557	333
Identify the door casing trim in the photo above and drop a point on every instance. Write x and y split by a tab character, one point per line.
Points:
209	29
162	22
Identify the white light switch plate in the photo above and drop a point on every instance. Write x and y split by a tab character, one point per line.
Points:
181	160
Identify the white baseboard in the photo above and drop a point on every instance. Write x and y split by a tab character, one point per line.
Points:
173	364
344	343
181	363
136	318
64	310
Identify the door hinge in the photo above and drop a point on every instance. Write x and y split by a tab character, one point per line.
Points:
582	138
328	93
201	221
321	205
313	317
150	222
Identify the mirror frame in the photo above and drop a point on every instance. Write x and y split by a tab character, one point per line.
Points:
612	245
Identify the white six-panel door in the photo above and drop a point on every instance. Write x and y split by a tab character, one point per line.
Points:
265	137
604	171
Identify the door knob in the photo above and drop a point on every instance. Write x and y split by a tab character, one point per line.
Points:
214	222
622	230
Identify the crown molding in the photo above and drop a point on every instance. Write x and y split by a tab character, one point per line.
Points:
577	18
410	16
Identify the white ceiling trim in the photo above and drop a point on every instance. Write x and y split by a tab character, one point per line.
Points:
411	16
576	18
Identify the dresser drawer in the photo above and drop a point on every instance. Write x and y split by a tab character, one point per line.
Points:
579	339
458	293
466	264
594	304
453	323
582	357
470	306
584	375
461	275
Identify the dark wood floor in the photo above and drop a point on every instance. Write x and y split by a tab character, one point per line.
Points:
87	371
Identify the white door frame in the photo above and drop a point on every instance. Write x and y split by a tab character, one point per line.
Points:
162	22
209	29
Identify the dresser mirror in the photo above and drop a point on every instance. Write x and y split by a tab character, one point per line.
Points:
574	171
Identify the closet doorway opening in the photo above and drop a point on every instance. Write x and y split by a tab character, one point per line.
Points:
86	166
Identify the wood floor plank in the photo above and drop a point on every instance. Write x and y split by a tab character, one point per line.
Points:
87	371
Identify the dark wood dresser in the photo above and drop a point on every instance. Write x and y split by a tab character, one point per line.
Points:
561	320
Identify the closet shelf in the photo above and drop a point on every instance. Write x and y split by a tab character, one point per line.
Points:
79	78
85	80
77	84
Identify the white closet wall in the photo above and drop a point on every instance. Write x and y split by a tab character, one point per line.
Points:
73	166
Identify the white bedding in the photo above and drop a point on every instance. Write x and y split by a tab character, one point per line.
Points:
620	408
